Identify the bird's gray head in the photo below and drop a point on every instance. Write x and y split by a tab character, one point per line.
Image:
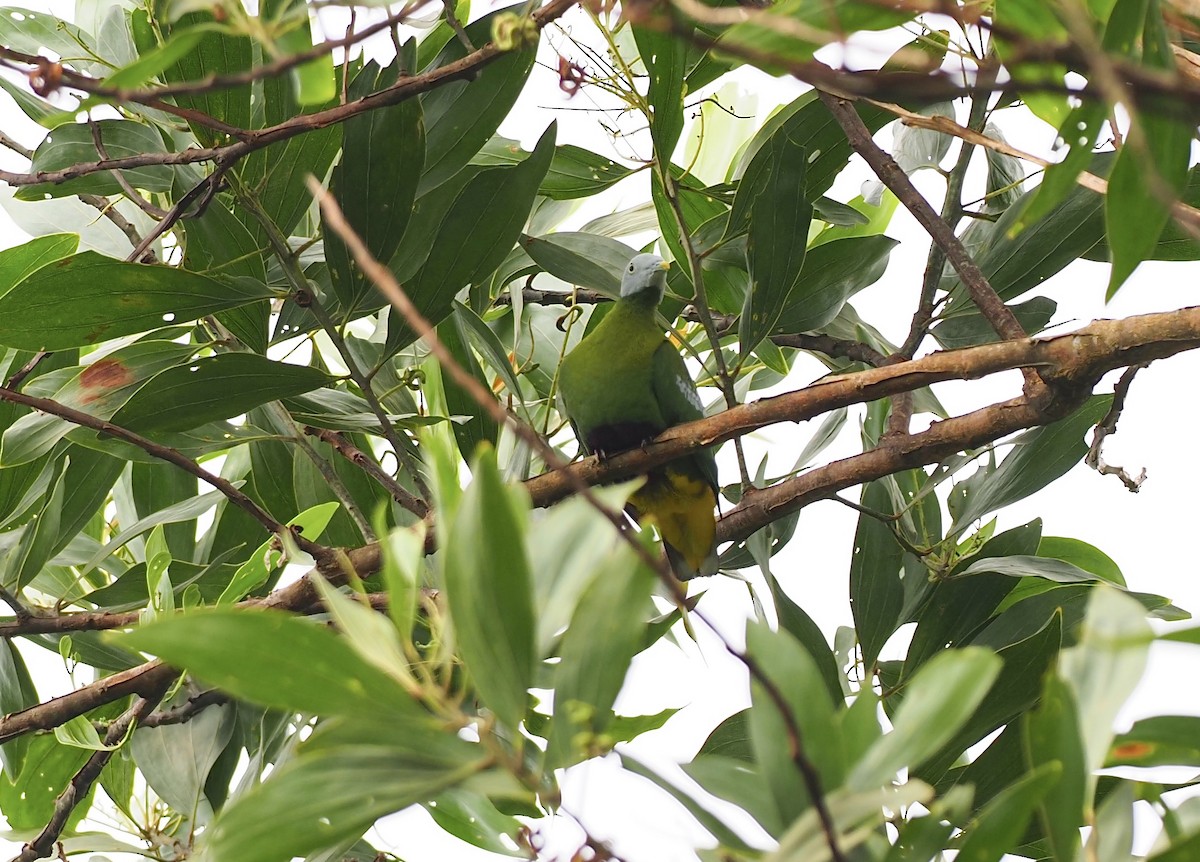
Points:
646	274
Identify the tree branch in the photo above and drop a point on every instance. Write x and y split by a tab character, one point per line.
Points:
999	315
369	466
406	87
165	453
43	845
1108	425
1068	360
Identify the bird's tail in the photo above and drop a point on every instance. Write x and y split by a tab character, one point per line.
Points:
681	503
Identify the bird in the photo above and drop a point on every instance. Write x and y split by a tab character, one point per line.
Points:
624	384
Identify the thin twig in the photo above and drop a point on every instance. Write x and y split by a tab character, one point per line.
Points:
304	295
390	433
951	215
109	210
1108	425
165	453
700	303
211	83
130	192
369	466
25	370
405	87
187	710
43	845
999	315
200	194
459	32
18	607
855	351
533	296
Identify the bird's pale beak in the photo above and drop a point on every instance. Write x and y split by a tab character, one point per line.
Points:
665	265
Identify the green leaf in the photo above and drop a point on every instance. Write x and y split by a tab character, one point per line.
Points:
784	45
459	119
220	245
1160	740
1105	666
21	261
606	632
795	678
938	700
737	782
89	298
967	327
185	510
574	172
375	184
795	621
833	272
488	588
38	538
219	52
1152	166
706	818
150	63
1015	259
277	174
81	733
1111	839
1175	242
258	569
28	800
581	259
1015	691
215	387
578	173
779	218
17	692
99	390
1052	735
480	427
283	818
876	593
177	758
313	83
998	828
809	124
1038	458
476	235
473	818
40	111
32	32
72	144
1019	566
1079	133
298	665
665	58
957	608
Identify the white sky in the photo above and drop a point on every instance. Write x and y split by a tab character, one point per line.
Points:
1146	534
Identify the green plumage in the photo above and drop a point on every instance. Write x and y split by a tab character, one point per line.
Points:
624	384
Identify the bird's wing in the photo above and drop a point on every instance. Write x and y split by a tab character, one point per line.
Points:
679	400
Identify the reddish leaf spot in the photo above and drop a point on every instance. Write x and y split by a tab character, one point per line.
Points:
1132	750
103	377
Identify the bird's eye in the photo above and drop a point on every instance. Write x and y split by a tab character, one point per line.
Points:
631	267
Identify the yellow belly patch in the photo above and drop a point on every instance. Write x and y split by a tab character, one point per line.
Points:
681	507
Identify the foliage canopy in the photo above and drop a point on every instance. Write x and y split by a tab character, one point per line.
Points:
209	376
